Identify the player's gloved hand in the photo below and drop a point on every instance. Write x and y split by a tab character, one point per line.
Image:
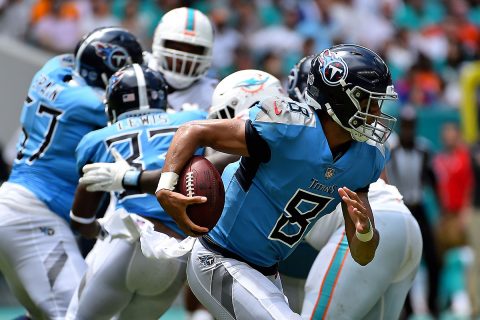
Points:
105	176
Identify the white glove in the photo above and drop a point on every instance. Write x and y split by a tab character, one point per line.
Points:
105	176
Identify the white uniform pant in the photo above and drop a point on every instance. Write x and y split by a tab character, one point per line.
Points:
122	283
231	289
339	288
39	256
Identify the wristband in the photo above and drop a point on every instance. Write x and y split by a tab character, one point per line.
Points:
365	237
131	179
81	219
168	180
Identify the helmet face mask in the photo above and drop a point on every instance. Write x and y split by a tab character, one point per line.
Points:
103	51
368	123
236	93
135	90
351	83
182	46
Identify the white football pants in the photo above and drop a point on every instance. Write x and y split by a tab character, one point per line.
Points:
122	283
339	288
39	256
231	289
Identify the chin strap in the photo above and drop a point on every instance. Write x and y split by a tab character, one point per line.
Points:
357	136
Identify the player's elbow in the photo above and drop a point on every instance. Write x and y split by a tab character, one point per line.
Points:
193	131
188	133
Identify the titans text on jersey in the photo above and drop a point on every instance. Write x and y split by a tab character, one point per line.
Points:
53	122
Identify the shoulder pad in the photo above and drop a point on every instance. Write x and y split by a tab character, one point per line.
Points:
286	111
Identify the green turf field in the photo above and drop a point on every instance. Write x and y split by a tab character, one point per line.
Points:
9	313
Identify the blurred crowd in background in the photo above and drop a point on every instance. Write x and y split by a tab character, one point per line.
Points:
426	43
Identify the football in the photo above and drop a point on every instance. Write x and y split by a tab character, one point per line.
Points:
199	177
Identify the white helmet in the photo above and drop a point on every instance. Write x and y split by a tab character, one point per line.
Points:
236	93
182	46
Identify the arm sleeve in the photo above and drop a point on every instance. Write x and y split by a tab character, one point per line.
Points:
257	147
363	189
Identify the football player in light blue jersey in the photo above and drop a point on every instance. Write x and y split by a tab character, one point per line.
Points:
231	98
38	253
120	281
298	162
327	294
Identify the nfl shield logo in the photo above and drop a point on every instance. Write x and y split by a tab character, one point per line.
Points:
329	173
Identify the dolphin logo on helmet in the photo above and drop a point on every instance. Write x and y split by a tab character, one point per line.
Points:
253	84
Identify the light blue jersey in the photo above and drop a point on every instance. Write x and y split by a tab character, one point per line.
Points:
269	206
143	142
59	110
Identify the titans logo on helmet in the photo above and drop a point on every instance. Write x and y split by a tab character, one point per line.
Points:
114	56
332	68
252	85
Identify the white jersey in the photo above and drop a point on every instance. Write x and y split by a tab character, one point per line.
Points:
328	293
196	97
385	197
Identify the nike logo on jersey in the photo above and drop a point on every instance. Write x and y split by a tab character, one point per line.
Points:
276	110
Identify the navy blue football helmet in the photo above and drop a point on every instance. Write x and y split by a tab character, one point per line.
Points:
297	79
345	81
135	90
103	51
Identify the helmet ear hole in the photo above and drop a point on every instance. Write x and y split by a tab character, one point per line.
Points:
358	94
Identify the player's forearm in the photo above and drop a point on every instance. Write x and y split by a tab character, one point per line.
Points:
82	216
149	181
185	141
85	203
363	252
223	135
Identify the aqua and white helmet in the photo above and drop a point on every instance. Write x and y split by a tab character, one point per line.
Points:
182	46
236	93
